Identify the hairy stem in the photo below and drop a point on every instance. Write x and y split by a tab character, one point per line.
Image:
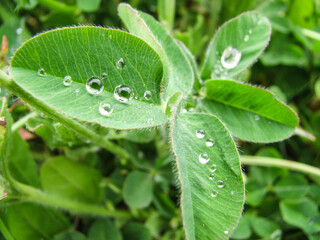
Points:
281	163
303	133
8	83
21	122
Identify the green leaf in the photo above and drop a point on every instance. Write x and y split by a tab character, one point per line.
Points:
317	88
29	221
110	56
136	231
292	187
70	235
88	6
22	166
265	228
103	229
249	34
250	113
243	229
68	179
181	76
212	192
137	189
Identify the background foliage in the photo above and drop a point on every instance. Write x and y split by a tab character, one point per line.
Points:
280	204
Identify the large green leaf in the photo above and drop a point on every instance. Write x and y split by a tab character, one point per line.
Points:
72	180
103	229
181	76
43	67
250	113
246	35
212	189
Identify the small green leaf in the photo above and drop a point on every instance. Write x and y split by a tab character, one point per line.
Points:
137	189
265	228
77	63
250	113
76	181
136	231
243	229
103	229
28	221
70	235
181	76
236	45
292	187
212	189
88	6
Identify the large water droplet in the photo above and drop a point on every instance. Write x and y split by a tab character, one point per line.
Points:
41	72
105	109
211	176
210	142
246	38
230	57
123	93
67	80
214	193
120	63
147	95
94	85
200	133
221	184
204	158
213	168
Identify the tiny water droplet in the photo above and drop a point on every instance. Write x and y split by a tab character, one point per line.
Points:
41	72
150	121
204	158
19	31
257	117
232	192
213	168
94	85
120	63
136	97
214	193
250	31
246	38
123	93
77	91
147	95
211	176
230	57
105	109
200	133
67	80
226	232
221	184
210	142
110	36
104	75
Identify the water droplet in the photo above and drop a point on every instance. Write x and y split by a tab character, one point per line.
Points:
105	109
232	192
200	133
123	93
19	31
94	85
147	95
210	142
230	57
257	117
67	80
150	121
204	158
41	72
120	63
226	232
221	184
246	38
104	75
211	176
213	168
250	31
110	36
214	193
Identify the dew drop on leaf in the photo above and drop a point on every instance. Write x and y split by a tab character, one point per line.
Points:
200	133
105	109
147	95
211	176
120	63
214	193
230	57
221	184
19	31
250	31
204	158
67	80
123	93
213	168
210	142
77	91
246	38
104	75
150	121
94	85
226	232
41	72
257	117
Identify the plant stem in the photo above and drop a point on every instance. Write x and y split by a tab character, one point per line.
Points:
21	122
8	83
303	133
37	196
280	163
58	6
311	34
7	235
